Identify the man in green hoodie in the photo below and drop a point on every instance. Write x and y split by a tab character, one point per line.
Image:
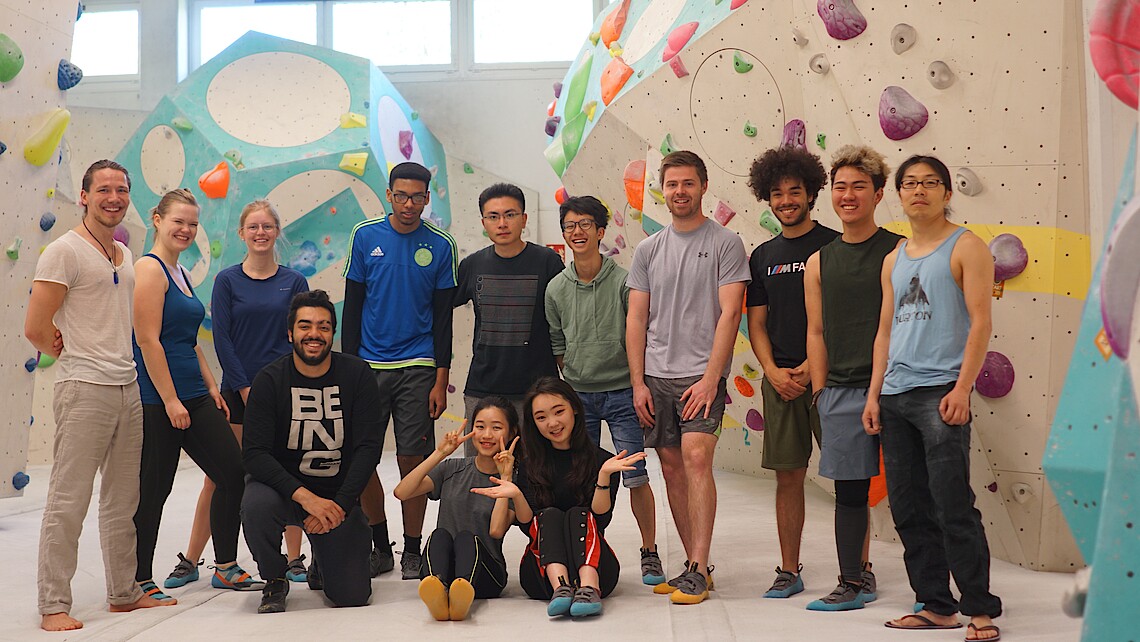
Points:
586	306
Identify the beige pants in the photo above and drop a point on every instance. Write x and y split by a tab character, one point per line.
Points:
98	428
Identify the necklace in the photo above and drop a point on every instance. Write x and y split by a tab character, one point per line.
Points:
110	255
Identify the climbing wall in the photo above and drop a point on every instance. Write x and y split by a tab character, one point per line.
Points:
246	126
730	79
35	41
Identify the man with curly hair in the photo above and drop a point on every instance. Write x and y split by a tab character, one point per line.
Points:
789	179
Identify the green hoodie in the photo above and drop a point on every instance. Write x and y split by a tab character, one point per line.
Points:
587	327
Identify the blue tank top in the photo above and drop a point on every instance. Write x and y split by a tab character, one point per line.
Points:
930	324
181	317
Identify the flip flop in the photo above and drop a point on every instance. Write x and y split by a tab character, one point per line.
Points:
979	629
927	624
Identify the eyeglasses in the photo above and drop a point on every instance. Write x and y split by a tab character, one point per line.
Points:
264	227
929	183
496	217
585	225
418	199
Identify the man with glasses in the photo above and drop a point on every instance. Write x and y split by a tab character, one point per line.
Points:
506	283
586	306
400	278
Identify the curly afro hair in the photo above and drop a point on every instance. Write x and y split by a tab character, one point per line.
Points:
787	162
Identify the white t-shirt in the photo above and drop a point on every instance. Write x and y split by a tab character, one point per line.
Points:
95	317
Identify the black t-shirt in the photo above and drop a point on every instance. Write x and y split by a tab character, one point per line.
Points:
778	282
565	496
511	344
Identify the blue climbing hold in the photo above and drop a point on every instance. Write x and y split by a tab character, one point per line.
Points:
69	75
20	479
30	364
79	11
47	221
3	147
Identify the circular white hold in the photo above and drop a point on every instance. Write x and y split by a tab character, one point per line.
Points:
163	159
755	98
278	99
201	268
652	26
390	121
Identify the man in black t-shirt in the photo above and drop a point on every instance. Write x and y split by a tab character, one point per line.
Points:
311	441
789	179
506	282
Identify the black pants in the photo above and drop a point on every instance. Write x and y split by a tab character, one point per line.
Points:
570	538
342	553
211	444
463	555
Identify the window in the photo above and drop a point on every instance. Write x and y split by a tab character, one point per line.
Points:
220	25
107	43
394	34
514	31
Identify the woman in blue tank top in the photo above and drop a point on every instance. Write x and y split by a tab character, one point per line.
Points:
182	408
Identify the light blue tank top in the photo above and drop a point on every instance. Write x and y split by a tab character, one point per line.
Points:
930	325
181	316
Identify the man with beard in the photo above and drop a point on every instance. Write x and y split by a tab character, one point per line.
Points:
789	179
312	438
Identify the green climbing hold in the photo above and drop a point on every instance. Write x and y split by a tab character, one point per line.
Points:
572	136
181	123
749	130
576	92
415	115
556	156
716	2
13	250
769	222
216	249
233	156
11	58
467	168
45	361
667	146
741	65
821	140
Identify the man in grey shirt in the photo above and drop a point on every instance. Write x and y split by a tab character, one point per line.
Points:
680	350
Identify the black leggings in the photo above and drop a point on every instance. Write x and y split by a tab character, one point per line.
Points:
463	555
570	538
851	526
211	444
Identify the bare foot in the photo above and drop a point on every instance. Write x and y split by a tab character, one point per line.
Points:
978	628
924	620
59	622
145	602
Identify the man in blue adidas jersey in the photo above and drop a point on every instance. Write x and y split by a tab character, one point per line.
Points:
399	282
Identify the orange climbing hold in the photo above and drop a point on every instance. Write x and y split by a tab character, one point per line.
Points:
634	177
613	79
560	195
216	182
878	490
614	23
551	106
743	386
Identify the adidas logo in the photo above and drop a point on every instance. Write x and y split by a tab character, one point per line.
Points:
376	251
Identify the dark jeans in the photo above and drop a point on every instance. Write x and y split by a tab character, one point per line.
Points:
928	483
463	555
211	444
570	538
342	553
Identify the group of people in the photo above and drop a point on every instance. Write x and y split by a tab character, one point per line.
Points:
556	350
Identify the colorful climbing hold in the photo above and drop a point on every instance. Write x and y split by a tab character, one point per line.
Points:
3	147
842	18
619	241
20	480
560	195
614	77
406	143
47	221
450	388
749	371
821	141
667	146
551	107
415	115
1114	39
754	420
749	129
557	89
618	219
996	376
743	386
45	361
572	134
576	92
633	177
614	23
31	363
900	114
555	156
677	40
594	37
615	50
122	235
723	213
11	58
41	146
467	168
352	120
181	123
216	249
939	75
68	75
50	193
769	222
678	67
234	156
819	64
992	487
795	134
967	182
551	125
1010	256
741	65
590	108
13	250
215	183
736	4
657	196
635	215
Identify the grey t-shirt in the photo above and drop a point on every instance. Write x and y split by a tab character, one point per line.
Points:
682	272
459	508
95	316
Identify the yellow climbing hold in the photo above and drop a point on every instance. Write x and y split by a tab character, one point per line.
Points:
41	147
51	193
354	163
351	120
657	195
590	108
615	49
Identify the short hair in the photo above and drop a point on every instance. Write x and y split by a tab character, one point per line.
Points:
587	205
311	299
509	411
180	195
789	162
500	190
864	159
684	158
918	159
89	175
410	172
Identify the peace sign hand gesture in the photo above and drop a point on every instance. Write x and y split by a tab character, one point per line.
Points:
452	440
505	458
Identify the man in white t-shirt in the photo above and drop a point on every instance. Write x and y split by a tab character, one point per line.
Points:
80	312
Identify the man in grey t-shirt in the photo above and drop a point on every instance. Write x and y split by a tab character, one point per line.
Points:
680	349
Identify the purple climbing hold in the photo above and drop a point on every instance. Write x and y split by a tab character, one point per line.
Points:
754	420
619	219
450	388
1120	274
795	134
122	235
900	115
727	399
552	125
68	76
842	18
619	242
558	89
992	487
406	144
1010	257
996	378
20	479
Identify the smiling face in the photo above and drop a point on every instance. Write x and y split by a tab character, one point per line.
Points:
177	229
853	195
107	200
504	220
554	418
789	202
259	231
491	431
582	242
922	203
406	216
683	191
311	335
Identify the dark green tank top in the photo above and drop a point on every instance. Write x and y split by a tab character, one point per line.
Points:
850	276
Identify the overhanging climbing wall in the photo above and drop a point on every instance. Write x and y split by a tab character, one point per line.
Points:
994	89
35	41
